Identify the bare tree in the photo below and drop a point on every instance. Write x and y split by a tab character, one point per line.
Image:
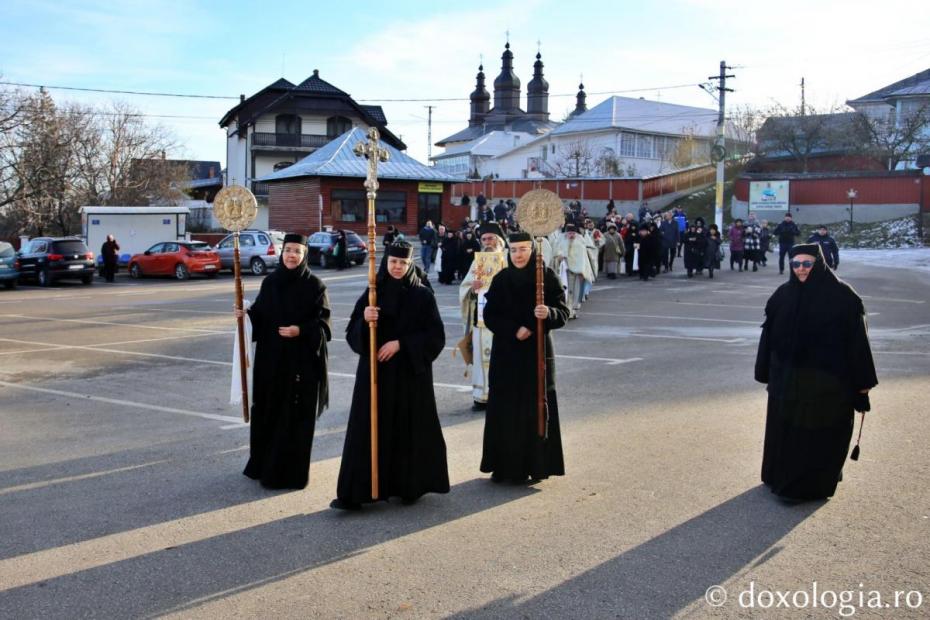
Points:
800	135
897	138
608	164
743	123
575	159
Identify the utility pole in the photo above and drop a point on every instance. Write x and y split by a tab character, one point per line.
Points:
429	135
719	151
803	104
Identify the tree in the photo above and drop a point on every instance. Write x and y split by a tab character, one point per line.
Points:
575	159
897	138
608	164
799	135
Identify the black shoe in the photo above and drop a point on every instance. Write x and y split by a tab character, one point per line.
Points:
781	273
409	501
496	478
478	406
754	268
711	276
340	504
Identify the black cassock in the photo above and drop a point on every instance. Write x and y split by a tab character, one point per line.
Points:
289	384
411	449
814	355
513	448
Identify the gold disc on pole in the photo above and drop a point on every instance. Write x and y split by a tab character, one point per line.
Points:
235	207
540	212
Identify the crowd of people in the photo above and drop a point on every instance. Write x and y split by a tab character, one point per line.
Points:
291	323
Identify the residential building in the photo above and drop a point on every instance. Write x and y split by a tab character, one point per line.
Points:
326	189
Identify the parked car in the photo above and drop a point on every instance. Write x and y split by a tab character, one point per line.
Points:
176	258
9	265
47	259
320	248
259	250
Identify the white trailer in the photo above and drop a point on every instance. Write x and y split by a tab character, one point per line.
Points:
136	229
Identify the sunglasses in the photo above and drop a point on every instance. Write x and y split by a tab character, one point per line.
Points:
807	264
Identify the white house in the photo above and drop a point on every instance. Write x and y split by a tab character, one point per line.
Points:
621	136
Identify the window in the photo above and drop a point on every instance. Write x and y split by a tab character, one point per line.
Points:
156	249
226	243
39	247
247	241
170	247
281	165
287	123
644	146
352	206
318	238
337	125
627	144
263	240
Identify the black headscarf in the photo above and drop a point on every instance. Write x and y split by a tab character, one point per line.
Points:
284	277
390	289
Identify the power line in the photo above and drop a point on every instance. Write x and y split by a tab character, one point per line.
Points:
384	100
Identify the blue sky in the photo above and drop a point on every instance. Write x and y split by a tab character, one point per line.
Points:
418	50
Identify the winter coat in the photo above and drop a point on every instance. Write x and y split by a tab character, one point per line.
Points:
786	232
668	230
736	239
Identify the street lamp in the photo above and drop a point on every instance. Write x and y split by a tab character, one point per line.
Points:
851	193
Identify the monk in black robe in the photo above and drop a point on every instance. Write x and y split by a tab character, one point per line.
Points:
291	326
814	355
411	449
513	450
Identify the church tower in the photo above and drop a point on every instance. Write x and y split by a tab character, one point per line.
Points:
507	85
580	106
480	100
537	92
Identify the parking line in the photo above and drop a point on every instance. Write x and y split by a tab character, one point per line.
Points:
122	403
47	483
119	351
675	318
609	360
90	322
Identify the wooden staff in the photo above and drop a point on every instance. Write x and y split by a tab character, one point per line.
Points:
541	404
240	328
373	153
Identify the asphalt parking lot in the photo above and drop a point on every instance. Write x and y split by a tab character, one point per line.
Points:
121	493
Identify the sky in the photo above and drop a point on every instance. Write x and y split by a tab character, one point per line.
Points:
430	51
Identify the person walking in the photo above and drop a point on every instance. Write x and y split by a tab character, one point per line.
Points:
695	246
831	252
668	231
428	239
765	242
109	251
614	249
736	244
814	355
786	232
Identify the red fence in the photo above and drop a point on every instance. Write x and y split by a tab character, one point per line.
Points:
632	189
888	188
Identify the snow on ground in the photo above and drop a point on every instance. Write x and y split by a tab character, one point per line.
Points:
907	258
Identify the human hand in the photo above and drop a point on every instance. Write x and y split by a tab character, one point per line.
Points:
387	350
861	402
476	284
371	313
523	333
541	311
291	331
238	312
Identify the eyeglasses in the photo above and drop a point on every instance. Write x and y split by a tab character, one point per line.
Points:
807	264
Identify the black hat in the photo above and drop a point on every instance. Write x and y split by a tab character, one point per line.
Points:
788	214
400	249
520	236
805	248
295	238
490	227
571	228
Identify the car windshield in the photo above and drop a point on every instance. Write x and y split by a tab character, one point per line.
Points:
70	247
198	246
6	250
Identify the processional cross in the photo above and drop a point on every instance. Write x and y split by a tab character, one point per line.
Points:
373	152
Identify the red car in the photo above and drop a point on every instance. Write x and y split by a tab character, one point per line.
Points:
177	258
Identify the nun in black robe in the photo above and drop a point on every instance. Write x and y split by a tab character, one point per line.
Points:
513	450
411	449
289	381
814	354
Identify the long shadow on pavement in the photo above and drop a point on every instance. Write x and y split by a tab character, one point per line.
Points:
666	574
176	578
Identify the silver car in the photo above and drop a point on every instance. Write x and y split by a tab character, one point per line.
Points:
259	250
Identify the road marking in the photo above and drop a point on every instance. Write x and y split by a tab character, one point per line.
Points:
676	318
901	301
123	403
904	329
47	483
758	308
451	386
23	351
600	334
609	360
172	310
119	351
90	322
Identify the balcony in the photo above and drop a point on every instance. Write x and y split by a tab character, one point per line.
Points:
260	189
288	140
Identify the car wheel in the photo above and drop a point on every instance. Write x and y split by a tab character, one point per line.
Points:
10	284
324	262
258	266
43	277
181	272
87	279
212	275
135	272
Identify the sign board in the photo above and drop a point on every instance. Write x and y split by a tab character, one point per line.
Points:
425	187
769	195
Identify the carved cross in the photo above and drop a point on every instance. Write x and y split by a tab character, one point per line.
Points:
373	153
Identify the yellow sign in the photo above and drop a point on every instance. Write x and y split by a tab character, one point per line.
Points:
430	188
